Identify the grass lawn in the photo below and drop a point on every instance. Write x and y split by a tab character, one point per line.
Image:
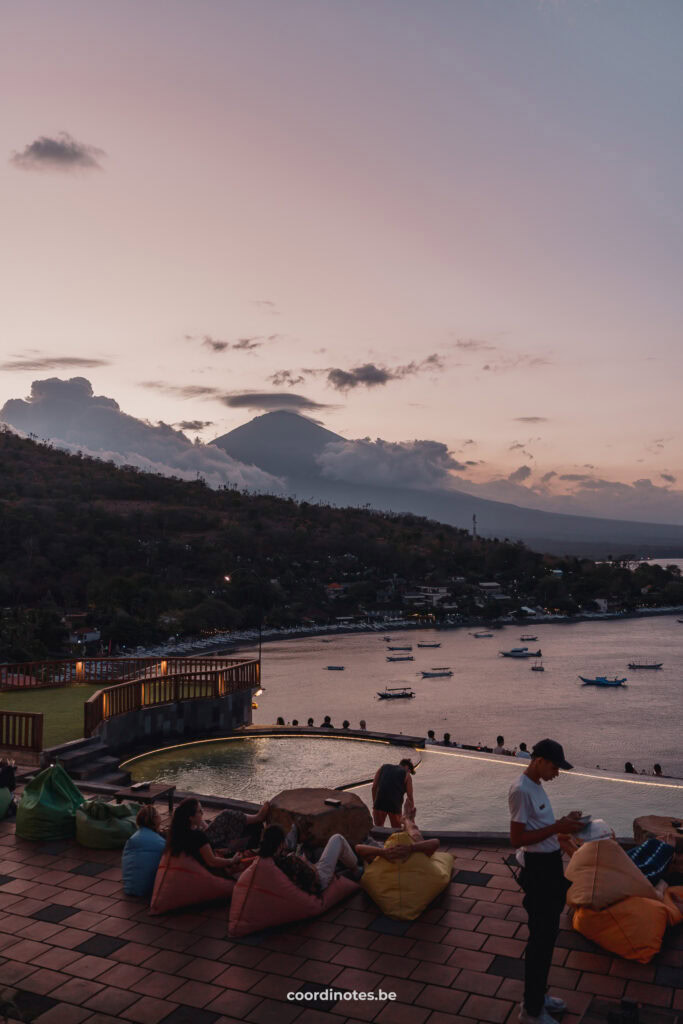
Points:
62	710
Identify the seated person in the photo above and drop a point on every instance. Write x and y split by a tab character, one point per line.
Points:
393	852
188	835
8	781
142	853
234	830
312	878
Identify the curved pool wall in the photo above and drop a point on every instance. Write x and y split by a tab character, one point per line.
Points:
454	791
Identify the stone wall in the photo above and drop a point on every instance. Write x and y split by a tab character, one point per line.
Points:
181	721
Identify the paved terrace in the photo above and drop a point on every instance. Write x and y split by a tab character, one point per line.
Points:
77	951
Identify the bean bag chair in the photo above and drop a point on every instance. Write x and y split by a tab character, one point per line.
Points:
403	889
653	858
47	809
5	801
183	882
264	897
633	928
141	856
104	826
601	874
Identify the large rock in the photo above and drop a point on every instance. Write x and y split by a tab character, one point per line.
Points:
654	826
316	820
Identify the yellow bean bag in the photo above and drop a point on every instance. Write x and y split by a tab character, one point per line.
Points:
633	928
601	874
402	889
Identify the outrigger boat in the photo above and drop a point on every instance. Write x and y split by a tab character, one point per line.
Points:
532	638
538	667
521	652
602	681
335	668
481	636
408	648
437	673
645	664
396	693
429	645
400	657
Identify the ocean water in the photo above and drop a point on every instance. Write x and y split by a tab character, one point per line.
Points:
488	694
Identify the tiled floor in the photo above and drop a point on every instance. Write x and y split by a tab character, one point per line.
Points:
77	951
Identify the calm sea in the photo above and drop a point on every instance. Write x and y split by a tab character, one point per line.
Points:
488	695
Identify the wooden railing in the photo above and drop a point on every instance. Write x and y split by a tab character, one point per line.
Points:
216	678
76	671
21	730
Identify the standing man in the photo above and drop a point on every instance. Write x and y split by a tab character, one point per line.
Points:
391	783
539	840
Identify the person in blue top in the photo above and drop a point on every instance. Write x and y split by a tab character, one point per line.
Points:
142	853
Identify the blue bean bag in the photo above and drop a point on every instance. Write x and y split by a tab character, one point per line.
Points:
141	856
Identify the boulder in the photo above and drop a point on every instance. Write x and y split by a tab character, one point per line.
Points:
316	820
654	826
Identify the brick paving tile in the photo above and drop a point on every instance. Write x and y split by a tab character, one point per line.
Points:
157	984
158	960
399	945
214	949
484	1008
62	1013
318	949
602	985
245	956
401	1013
407	990
464	940
366	981
633	971
241	978
356	1011
389	925
281	963
68	938
506	967
678	999
196	993
438	997
351	956
148	1010
432	952
510	898
133	953
102	1018
671	976
111	1000
563	976
43	981
577	1002
512	988
485	908
318	972
459	903
642	992
79	990
435	974
234	1004
478	982
202	970
310	1016
355	937
471	959
269	1011
460	919
437	1017
275	986
589	962
55	959
38	930
504	947
399	966
426	932
496	926
26	950
123	975
355	918
324	930
89	966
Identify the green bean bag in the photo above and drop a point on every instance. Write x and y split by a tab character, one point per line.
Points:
103	826
47	809
5	801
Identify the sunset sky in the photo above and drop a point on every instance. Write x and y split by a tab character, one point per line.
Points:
453	221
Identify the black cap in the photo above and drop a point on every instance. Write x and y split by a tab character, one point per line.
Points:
407	763
551	750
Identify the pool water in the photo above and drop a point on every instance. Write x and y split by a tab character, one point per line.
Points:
454	790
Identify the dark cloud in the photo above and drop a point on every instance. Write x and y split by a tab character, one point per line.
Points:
242	344
37	364
270	401
520	474
668	477
473	345
247	344
285	377
530	419
519	361
68	413
515	446
547	477
423	465
193	424
369	375
61	153
267	306
214	343
576	477
182	390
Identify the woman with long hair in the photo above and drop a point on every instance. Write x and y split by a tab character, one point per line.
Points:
188	835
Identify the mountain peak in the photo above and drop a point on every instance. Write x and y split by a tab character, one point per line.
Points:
285	441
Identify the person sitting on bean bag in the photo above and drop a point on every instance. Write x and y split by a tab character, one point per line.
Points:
8	783
234	830
311	878
187	834
142	853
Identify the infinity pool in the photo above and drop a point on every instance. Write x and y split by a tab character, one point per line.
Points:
454	790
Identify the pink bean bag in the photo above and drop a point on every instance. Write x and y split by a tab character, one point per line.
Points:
264	897
182	881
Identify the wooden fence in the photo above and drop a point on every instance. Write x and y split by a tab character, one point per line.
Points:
21	730
176	684
72	672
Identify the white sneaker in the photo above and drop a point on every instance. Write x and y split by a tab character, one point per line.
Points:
555	1004
543	1017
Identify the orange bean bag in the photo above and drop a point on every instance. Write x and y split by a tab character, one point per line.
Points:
182	882
601	874
633	928
264	897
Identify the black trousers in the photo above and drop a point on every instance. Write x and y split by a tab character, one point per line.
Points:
545	888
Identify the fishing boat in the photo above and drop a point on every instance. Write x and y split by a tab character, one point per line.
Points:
602	681
396	693
538	667
335	668
429	645
408	648
437	673
521	652
400	657
645	664
482	636
531	638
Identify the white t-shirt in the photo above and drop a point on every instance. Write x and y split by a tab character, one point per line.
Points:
523	753
529	805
